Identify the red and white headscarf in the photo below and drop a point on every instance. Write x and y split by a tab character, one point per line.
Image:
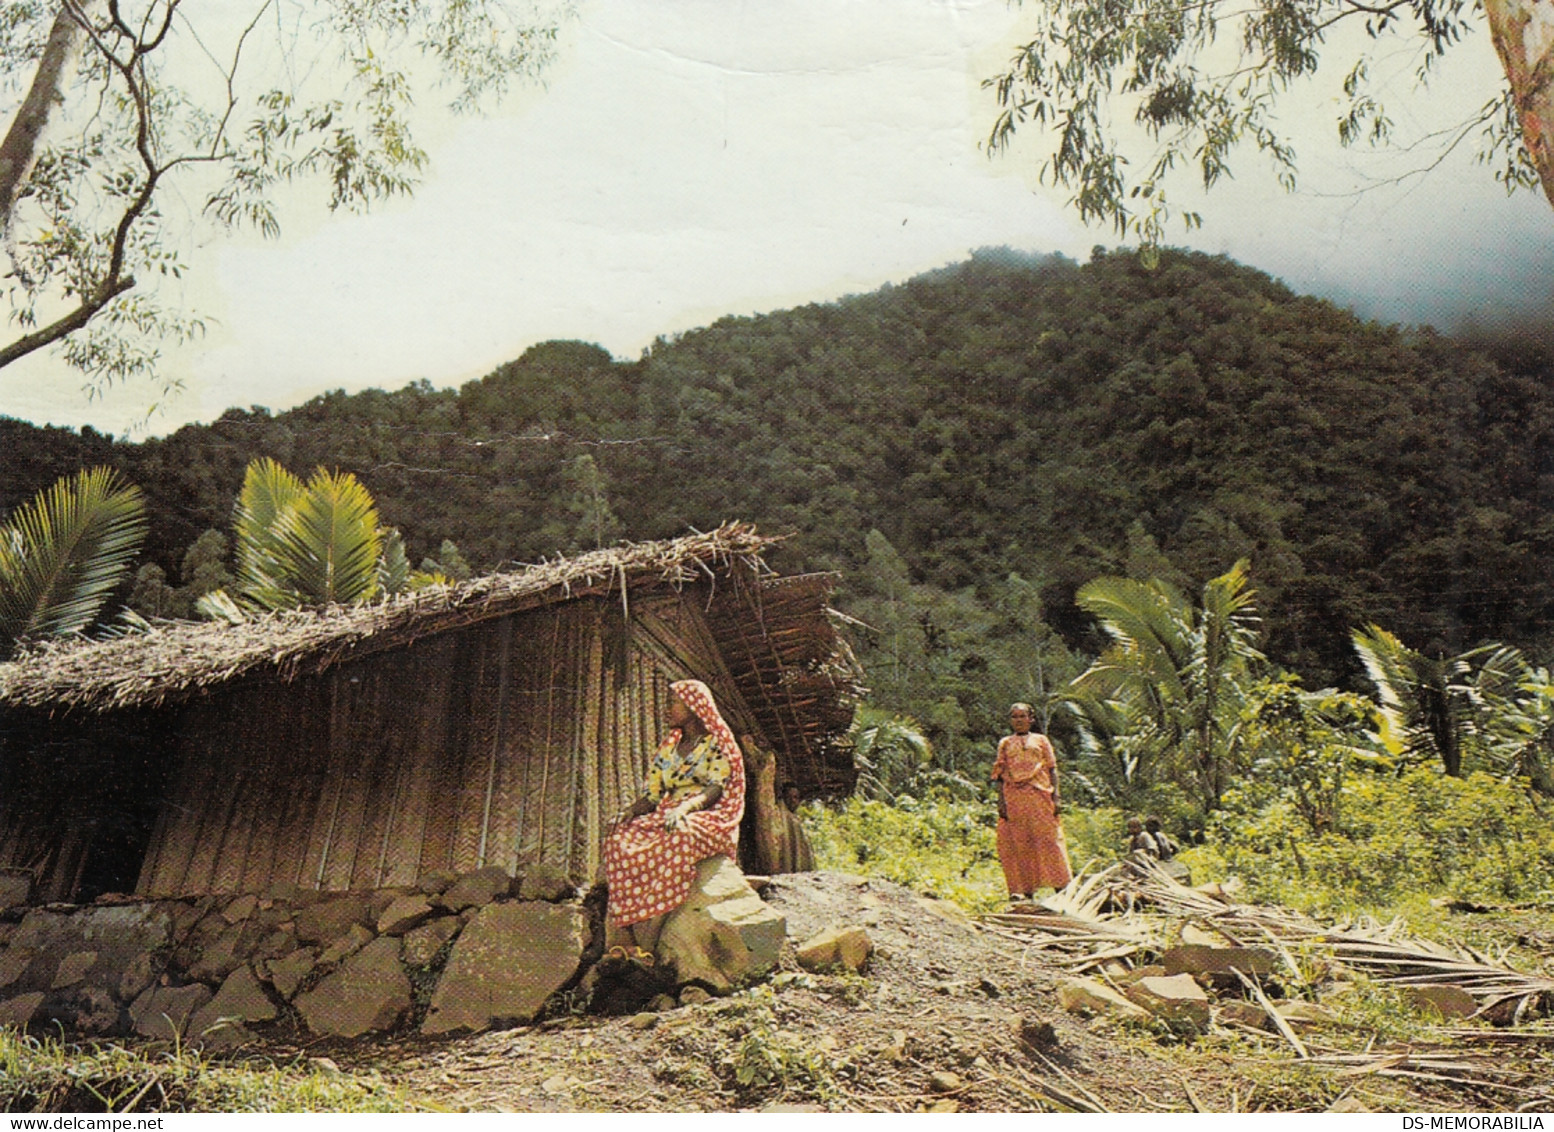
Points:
698	697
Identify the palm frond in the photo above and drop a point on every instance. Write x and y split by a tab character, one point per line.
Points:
327	542
268	491
63	552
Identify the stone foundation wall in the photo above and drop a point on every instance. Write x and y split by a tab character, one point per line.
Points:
452	954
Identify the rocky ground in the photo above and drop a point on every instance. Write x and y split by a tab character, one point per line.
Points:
950	1016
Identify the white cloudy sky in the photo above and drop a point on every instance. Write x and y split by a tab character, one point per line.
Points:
705	157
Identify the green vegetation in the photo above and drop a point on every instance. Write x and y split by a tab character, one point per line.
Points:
45	1075
64	552
969	448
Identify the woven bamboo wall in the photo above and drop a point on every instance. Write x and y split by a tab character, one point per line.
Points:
507	742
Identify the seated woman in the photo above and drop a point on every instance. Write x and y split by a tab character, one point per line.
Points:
689	810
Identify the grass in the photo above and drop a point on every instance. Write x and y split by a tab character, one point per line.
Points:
48	1075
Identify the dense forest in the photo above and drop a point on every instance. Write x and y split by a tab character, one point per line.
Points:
969	448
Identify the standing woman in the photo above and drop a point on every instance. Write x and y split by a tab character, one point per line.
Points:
1030	838
689	810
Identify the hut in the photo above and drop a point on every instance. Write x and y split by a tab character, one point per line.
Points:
497	722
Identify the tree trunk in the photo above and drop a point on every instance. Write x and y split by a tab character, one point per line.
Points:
1523	33
766	815
19	149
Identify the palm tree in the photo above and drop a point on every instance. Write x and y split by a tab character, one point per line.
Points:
314	543
1425	702
1179	675
888	750
63	552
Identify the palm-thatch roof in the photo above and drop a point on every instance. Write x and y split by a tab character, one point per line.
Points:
789	662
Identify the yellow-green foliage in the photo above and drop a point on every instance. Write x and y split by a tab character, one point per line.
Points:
50	1076
1423	833
943	847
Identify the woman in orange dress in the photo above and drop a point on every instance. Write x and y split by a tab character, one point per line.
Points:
689	810
1030	838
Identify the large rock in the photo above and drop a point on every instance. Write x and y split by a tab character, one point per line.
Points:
723	934
89	1011
476	889
287	973
1089	996
328	920
220	956
420	946
507	962
115	936
241	999
405	913
545	881
836	947
368	993
163	1012
1196	959
72	969
19	1010
1175	998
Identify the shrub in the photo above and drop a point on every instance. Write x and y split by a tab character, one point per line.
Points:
1474	838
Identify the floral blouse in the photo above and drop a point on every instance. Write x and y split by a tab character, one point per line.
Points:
679	776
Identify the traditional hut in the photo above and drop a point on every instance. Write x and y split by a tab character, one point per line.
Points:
501	721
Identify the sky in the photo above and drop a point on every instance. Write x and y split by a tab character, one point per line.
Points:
708	157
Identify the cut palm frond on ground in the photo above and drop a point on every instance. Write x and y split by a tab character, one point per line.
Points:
1133	909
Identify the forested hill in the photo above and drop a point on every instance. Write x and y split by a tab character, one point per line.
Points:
1005	415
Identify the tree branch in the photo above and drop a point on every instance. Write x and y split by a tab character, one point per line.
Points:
69	324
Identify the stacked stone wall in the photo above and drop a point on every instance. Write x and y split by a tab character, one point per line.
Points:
450	954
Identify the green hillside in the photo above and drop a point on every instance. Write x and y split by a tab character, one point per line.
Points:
1005	416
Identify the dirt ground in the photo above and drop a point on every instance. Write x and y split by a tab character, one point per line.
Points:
945	1017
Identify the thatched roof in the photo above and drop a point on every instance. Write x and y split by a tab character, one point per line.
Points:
789	662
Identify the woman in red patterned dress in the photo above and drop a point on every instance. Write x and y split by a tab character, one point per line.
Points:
689	810
1030	838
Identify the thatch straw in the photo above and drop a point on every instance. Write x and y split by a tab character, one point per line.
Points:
175	659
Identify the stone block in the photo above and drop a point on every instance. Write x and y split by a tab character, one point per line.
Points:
1088	996
421	945
240	909
220	956
546	882
88	1010
1244	1013
506	964
836	947
72	969
116	935
1196	959
355	938
405	913
15	889
368	994
723	934
14	963
323	923
138	974
19	1010
476	889
164	1012
436	881
1175	998
240	999
1448	1000
288	973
